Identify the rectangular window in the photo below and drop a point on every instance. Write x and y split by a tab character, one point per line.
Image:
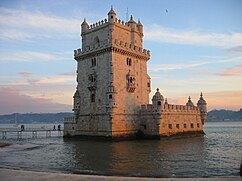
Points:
93	62
170	126
177	126
185	125
148	84
110	96
129	61
92	97
198	125
191	125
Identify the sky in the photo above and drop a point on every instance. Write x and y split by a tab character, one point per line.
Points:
196	46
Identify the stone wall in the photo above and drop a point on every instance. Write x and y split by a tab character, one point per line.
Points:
173	119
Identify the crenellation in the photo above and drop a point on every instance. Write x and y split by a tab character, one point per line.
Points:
118	44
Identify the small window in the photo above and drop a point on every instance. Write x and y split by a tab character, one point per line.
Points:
148	84
111	17
170	126
177	126
185	125
92	78
92	97
198	125
129	61
159	103
192	125
93	62
110	96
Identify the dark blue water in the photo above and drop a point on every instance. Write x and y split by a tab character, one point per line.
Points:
218	153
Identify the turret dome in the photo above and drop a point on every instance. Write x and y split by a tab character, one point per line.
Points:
158	96
189	102
111	11
201	100
84	22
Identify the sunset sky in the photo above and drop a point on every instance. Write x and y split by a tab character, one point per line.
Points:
195	46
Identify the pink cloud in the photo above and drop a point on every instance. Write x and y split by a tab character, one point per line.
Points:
233	71
12	101
25	74
230	100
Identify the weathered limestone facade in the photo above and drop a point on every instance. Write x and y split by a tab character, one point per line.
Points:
112	95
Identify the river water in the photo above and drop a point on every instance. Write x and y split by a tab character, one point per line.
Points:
218	153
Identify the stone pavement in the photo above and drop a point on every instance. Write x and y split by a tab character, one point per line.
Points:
21	175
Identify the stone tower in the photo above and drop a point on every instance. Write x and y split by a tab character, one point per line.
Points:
111	76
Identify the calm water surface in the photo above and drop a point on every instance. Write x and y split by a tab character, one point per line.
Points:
218	153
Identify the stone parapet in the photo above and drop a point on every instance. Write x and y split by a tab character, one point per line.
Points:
102	23
118	46
70	119
180	108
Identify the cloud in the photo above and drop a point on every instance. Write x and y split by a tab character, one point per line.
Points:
231	100
69	73
235	49
204	61
233	71
14	35
59	79
49	80
12	101
25	74
20	24
167	67
28	56
158	33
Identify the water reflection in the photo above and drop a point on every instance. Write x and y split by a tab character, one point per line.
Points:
154	158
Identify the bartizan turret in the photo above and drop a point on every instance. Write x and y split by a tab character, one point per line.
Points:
189	102
202	105
157	101
111	16
84	26
140	28
76	105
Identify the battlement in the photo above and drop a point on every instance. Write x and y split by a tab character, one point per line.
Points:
98	24
180	108
149	108
70	119
116	43
117	21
